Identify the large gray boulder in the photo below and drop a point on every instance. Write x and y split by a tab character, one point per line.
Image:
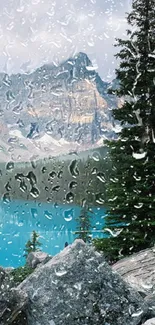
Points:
139	270
77	287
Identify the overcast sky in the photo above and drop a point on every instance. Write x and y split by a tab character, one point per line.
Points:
34	32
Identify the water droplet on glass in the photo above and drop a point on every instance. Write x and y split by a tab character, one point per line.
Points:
90	41
13	140
32	178
44	170
96	156
138	205
60	174
34	192
34	163
20	224
56	205
10	149
6	198
68	215
60	272
72	185
69	197
23	186
18	108
113	233
52	174
6	80
49	200
101	177
73	168
20	123
94	171
137	313
99	198
8	187
48	215
10	165
34	213
56	188
19	177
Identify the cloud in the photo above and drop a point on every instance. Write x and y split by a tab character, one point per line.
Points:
38	31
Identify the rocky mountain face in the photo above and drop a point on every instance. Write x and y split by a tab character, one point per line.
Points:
67	103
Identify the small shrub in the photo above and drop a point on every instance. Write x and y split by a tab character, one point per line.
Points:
21	273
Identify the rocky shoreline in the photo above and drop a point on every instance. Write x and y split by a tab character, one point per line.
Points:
78	287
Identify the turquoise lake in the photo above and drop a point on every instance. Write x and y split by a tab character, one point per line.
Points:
55	224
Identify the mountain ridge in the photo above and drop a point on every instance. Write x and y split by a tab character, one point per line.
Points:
68	101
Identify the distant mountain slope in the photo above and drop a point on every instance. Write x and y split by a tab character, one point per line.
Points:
68	102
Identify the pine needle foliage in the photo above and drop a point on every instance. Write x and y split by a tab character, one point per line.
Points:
131	189
32	244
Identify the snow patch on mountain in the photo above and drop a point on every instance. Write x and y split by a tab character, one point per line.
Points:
47	140
100	142
63	141
16	133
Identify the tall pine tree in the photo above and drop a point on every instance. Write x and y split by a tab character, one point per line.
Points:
131	217
32	245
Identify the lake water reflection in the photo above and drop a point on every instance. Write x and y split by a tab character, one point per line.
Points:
55	224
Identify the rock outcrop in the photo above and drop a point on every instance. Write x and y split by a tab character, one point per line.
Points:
76	287
36	258
138	270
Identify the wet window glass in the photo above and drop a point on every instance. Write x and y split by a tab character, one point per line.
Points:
77	163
